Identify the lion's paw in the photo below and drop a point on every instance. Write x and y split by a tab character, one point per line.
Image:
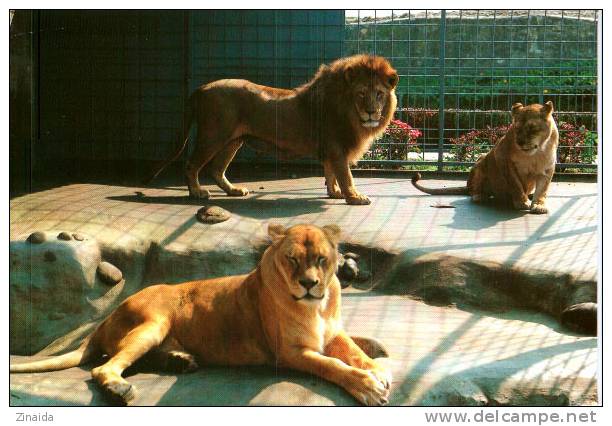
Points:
538	208
358	200
199	193
237	192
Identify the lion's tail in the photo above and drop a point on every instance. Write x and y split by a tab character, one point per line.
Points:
458	190
187	121
79	356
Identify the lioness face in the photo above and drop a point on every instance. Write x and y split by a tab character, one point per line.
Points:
307	257
532	124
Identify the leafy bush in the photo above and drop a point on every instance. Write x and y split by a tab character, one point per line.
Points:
576	144
471	145
396	142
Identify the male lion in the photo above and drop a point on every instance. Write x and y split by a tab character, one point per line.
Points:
523	160
284	313
334	117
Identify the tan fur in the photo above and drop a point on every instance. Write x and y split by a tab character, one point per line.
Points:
262	318
326	118
523	161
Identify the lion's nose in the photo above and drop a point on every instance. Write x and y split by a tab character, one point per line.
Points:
308	283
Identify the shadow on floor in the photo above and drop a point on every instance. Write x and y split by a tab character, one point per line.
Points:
253	207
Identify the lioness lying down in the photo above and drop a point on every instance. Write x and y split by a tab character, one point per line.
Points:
284	313
334	117
523	161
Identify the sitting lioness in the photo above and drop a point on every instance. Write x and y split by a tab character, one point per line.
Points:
334	117
284	313
521	162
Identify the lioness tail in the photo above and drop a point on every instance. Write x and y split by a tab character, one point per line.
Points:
71	359
458	190
187	120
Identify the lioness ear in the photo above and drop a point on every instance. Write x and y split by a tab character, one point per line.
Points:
516	108
393	79
276	232
547	109
332	232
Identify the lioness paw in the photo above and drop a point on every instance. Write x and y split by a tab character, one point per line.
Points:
368	389
358	200
538	209
119	393
238	192
335	194
384	376
521	205
181	362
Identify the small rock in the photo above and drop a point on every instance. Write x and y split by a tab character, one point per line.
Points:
64	236
78	237
212	214
50	256
261	187
109	273
349	270
37	237
351	255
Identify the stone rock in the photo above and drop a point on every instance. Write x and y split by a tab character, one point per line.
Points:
37	237
363	276
212	214
50	256
78	237
64	236
109	273
349	270
351	255
39	285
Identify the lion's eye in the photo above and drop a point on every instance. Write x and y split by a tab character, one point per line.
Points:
321	260
379	95
293	261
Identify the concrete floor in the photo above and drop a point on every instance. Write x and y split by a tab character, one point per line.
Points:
439	355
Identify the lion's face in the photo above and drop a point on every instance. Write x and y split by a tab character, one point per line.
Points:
306	257
533	125
372	92
369	99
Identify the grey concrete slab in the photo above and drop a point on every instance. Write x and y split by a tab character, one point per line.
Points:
439	355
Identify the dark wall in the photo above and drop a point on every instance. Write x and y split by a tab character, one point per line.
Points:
112	84
22	99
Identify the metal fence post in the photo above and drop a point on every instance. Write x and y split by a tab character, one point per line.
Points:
441	90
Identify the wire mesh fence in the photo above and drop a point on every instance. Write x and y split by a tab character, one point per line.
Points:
461	71
112	85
